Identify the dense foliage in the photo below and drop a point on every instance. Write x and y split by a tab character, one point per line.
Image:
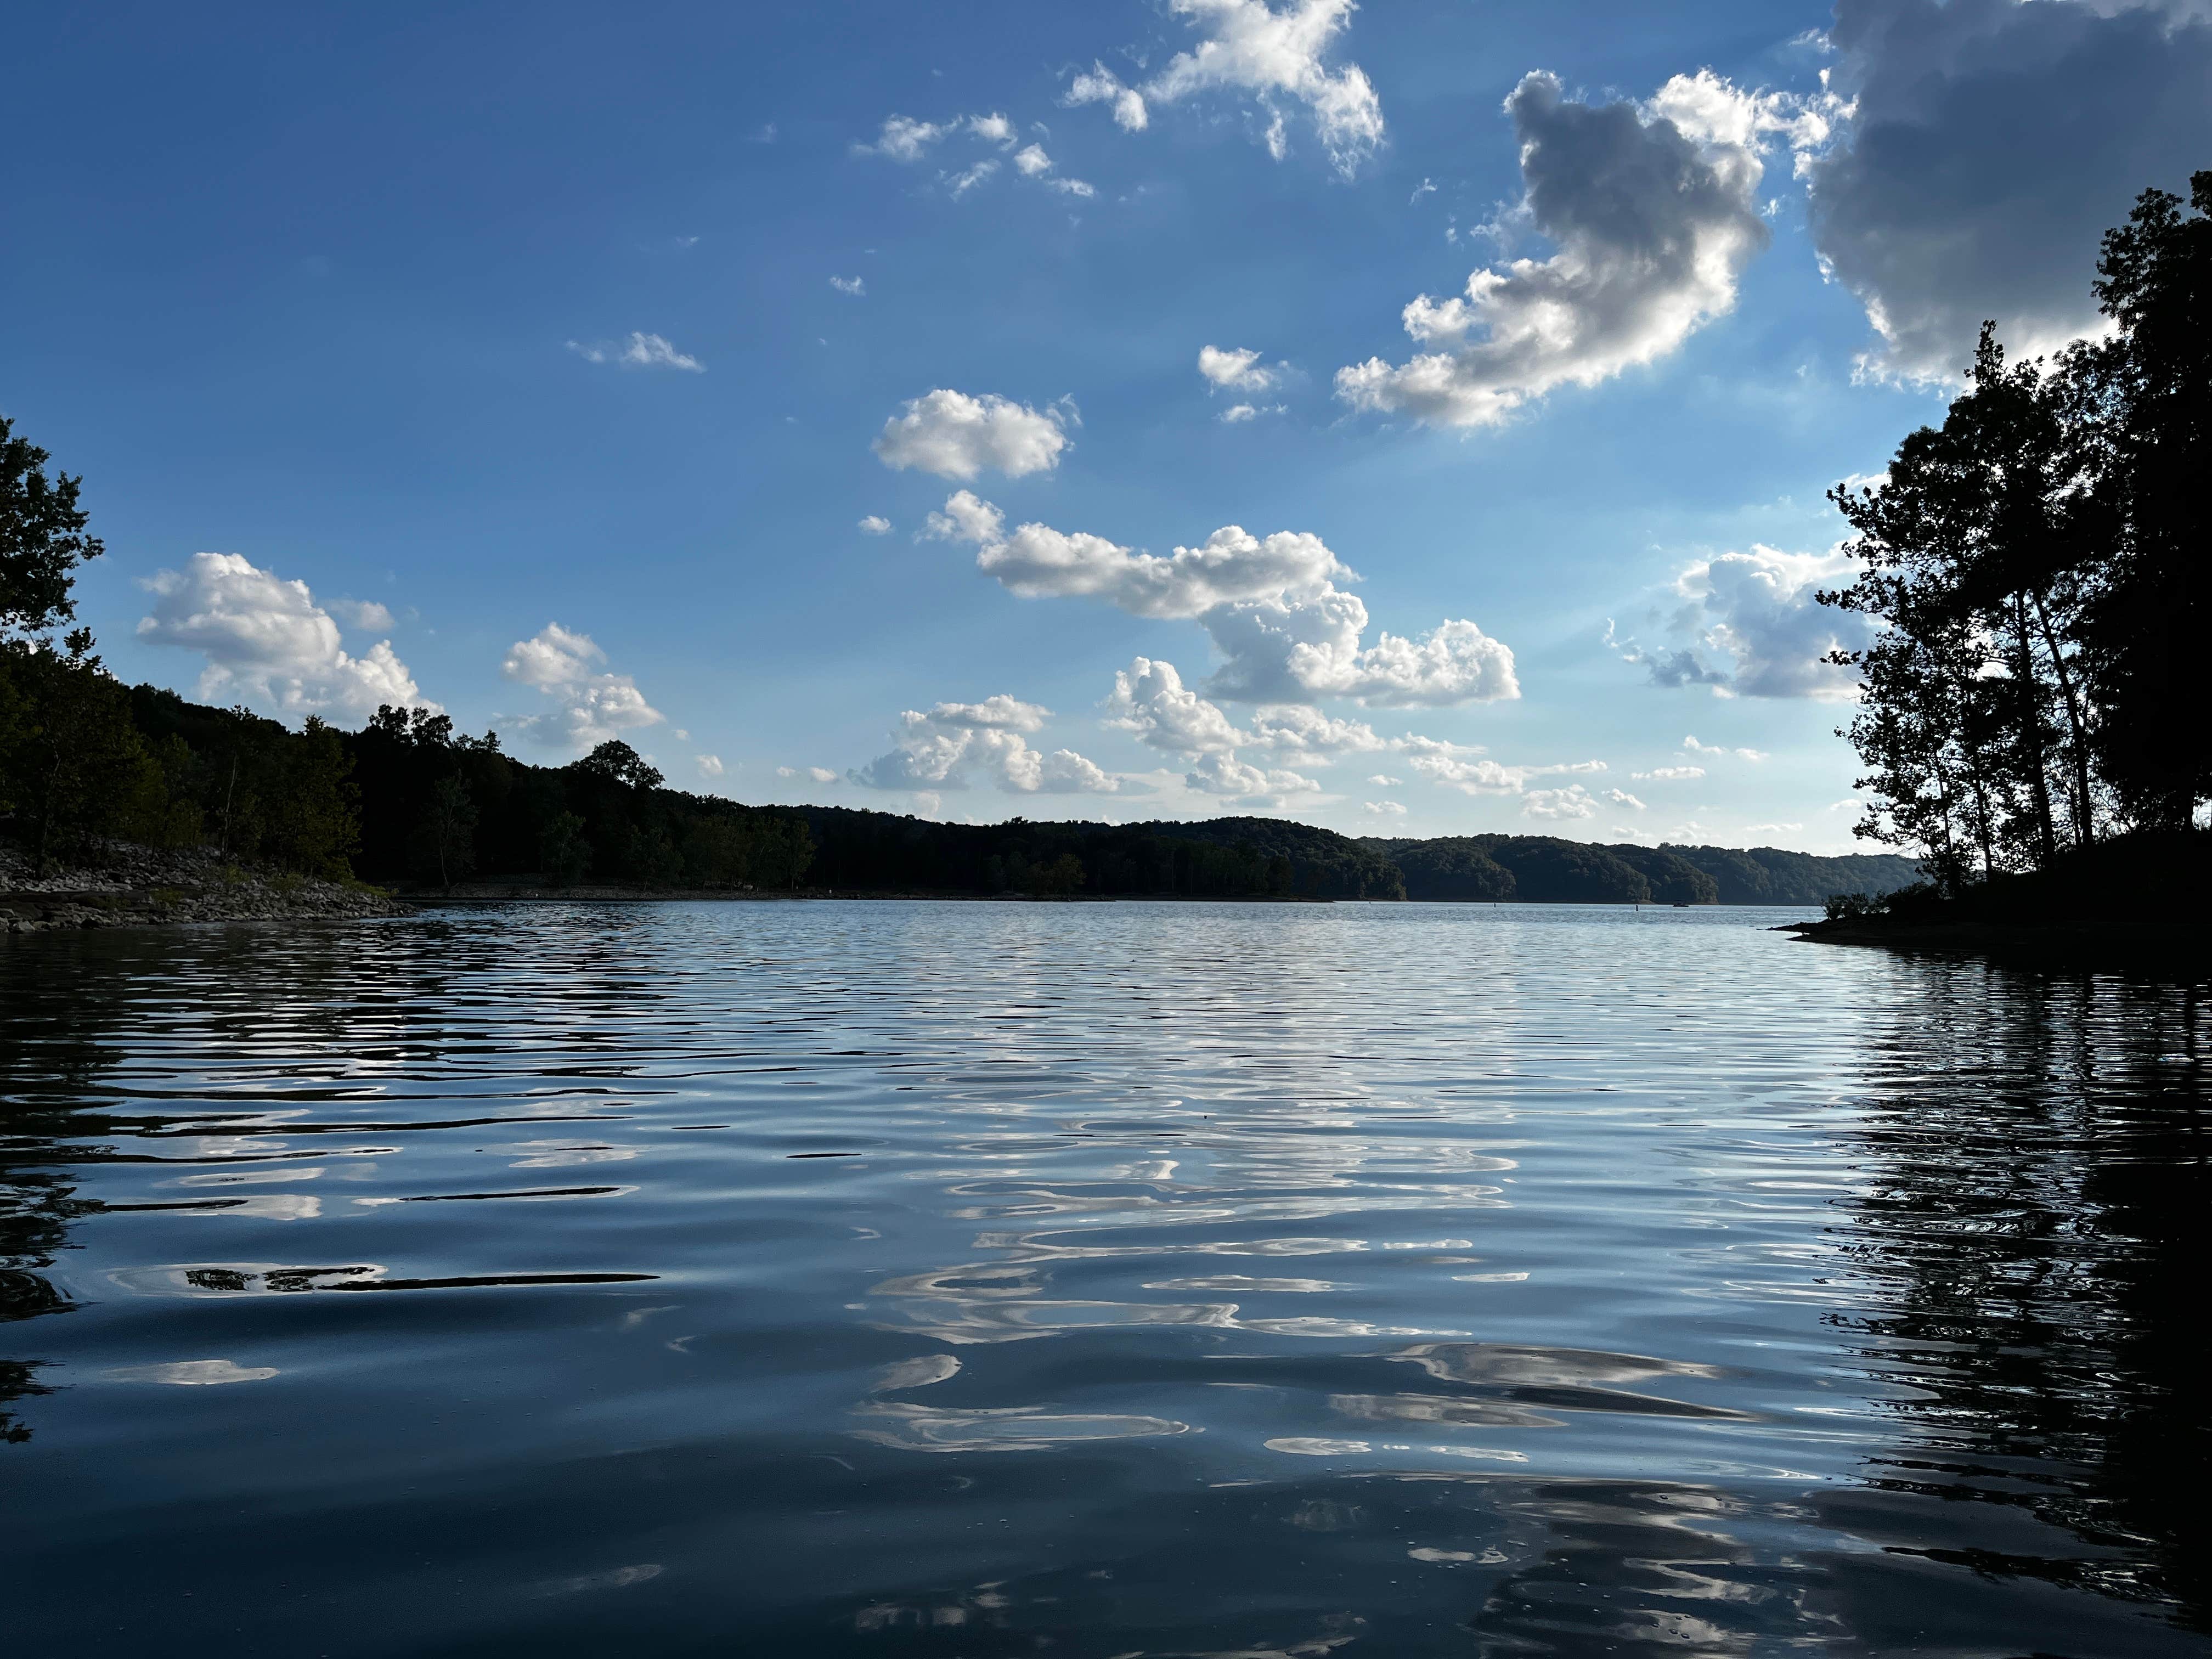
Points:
2037	562
1540	869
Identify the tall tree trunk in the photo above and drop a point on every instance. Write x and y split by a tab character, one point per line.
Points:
2085	829
2046	832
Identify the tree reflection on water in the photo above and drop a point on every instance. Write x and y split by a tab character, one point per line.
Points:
2031	1251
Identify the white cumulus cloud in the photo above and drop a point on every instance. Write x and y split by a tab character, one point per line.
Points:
1100	85
268	644
1149	700
903	139
1295	731
855	286
1572	802
1235	369
1225	775
953	742
1288	633
1759	609
710	766
1276	56
591	705
956	436
1395	808
1653	211
1666	773
875	525
1750	624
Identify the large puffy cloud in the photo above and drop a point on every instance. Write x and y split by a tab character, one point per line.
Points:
1037	562
1150	699
995	714
956	436
1287	633
1277	57
268	643
1759	609
1653	211
1294	732
1750	624
1992	142
591	705
944	748
1572	802
1293	646
1225	775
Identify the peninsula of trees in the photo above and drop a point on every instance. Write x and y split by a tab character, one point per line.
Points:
2032	715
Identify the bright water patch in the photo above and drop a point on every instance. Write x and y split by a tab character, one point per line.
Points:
986	1280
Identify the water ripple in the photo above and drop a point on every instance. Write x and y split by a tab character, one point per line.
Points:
1282	1279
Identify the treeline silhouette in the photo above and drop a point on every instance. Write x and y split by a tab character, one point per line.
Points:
1544	870
85	759
2033	721
406	799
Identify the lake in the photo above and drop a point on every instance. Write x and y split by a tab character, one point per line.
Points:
1094	1280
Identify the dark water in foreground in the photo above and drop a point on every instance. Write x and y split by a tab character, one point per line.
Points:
1094	1280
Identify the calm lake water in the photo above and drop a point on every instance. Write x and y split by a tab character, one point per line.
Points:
987	1279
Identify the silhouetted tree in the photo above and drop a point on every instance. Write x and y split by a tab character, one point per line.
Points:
42	537
2036	564
616	760
2150	617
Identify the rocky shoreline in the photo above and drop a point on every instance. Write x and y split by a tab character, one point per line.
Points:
127	886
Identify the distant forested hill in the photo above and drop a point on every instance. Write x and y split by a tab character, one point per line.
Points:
1544	870
406	797
1226	858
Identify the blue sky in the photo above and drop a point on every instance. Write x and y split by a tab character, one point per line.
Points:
547	361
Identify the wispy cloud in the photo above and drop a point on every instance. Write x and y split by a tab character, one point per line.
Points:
639	351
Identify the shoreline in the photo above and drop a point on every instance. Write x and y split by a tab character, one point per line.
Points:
2169	949
141	887
586	894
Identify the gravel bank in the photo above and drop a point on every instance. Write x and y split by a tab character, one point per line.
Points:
130	887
